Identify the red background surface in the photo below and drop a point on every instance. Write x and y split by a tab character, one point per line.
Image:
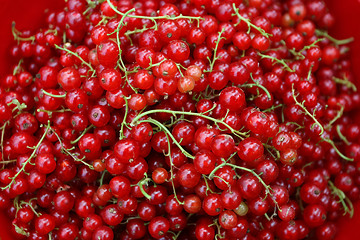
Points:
30	14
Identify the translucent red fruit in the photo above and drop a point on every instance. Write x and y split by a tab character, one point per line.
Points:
232	98
250	149
188	176
158	227
204	161
90	146
110	79
178	50
108	53
223	145
127	150
69	78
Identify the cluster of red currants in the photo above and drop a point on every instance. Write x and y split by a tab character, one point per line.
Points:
192	119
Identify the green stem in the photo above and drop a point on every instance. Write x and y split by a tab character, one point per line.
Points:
273	108
345	201
129	32
69	153
153	19
337	150
342	137
22	169
2	137
249	23
334	40
19	106
20	230
267	188
309	73
18	67
52	95
276	60
307	112
338	116
123	123
53	111
257	84
101	181
82	134
345	82
171	170
8	161
122	64
30	206
224	163
16	34
215	50
120	25
299	53
77	55
207	185
155	64
167	131
217	121
178	66
141	186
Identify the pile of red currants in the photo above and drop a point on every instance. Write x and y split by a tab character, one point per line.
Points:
191	119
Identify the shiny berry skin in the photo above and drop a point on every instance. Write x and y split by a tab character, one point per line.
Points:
99	116
146	211
77	100
136	228
223	145
103	232
212	204
108	53
63	202
310	193
258	206
250	149
238	73
314	215
249	186
232	98
231	198
160	175
240	230
178	50
156	117
44	224
287	230
192	204
21	141
120	186
110	79
90	145
158	227
184	133
69	79
224	177
127	150
188	176
48	77
204	230
45	163
204	161
111	215
144	56
204	136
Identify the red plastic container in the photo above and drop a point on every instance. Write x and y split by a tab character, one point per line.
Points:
30	15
